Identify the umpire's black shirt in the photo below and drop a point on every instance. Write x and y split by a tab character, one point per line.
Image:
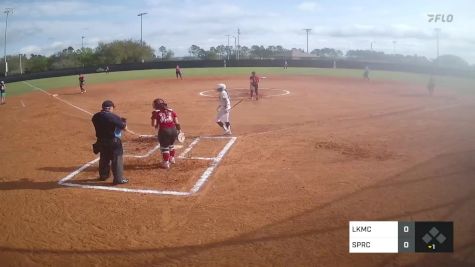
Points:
105	123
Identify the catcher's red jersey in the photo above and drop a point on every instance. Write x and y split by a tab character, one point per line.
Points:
165	118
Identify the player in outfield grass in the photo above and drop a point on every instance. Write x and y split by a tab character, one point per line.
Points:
178	72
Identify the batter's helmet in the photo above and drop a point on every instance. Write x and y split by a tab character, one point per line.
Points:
220	87
159	103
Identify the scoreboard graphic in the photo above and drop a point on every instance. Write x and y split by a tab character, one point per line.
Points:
400	237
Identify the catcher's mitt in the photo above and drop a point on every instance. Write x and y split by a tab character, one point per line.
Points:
181	137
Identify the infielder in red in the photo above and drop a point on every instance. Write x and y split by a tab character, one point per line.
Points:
254	85
81	83
165	120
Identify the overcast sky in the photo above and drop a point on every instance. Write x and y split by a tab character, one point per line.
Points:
44	27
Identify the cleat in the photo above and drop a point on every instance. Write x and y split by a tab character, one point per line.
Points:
165	165
172	160
123	181
103	178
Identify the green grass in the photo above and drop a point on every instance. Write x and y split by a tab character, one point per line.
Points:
459	84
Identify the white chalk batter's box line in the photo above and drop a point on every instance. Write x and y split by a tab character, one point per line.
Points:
196	187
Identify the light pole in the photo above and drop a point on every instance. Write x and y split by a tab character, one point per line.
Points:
307	30
238	33
227	47
141	15
21	68
82	42
437	32
7	11
235	47
394	47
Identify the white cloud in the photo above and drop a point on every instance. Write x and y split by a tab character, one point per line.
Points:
31	49
308	6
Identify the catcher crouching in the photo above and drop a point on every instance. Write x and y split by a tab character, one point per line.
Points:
165	120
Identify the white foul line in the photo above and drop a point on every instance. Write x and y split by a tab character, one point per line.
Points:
201	181
74	106
35	87
78	108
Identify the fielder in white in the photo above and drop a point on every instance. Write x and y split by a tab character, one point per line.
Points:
223	109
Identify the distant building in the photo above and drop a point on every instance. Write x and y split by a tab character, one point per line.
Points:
296	54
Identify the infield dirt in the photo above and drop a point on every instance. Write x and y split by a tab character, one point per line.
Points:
304	164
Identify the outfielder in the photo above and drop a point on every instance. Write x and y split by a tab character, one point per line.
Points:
165	120
178	72
254	85
224	108
366	73
431	85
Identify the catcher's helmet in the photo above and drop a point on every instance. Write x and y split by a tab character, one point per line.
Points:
220	87
159	103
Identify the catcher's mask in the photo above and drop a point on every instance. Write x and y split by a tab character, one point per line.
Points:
159	104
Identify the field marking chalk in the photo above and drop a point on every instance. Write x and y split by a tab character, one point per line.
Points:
204	177
196	187
202	158
76	172
130	190
22	103
76	107
189	148
36	87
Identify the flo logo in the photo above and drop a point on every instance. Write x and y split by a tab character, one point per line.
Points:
440	17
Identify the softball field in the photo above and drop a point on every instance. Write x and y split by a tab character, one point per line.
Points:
315	152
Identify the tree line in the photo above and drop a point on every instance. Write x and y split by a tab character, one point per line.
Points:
131	51
116	52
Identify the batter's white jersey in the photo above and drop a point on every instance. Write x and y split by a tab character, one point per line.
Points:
224	101
224	106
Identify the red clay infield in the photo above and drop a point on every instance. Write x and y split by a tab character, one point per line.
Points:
303	165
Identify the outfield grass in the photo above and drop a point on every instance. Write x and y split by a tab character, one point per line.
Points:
459	84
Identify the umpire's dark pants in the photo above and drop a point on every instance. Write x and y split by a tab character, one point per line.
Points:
111	157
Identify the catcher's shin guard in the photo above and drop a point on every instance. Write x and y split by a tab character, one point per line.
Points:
165	153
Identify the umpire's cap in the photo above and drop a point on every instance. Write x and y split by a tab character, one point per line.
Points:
108	104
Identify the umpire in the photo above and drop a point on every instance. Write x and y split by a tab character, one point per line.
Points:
108	132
